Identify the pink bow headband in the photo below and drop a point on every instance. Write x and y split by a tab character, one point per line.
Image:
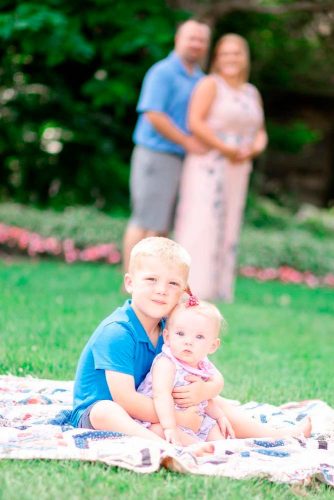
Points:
193	300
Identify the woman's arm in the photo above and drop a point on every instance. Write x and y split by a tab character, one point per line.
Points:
200	104
260	141
256	148
164	125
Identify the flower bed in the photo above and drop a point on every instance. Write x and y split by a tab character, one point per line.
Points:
20	240
287	274
33	244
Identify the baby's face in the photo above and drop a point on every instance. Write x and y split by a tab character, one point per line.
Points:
192	336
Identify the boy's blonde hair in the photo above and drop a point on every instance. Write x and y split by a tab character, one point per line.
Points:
157	246
203	308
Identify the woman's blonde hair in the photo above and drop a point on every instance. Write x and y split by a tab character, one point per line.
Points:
243	43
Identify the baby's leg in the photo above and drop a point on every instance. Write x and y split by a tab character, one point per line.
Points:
215	434
109	416
245	426
185	439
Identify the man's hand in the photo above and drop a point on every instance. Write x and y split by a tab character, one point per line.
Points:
191	394
194	146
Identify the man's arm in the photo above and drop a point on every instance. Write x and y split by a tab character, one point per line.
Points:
165	126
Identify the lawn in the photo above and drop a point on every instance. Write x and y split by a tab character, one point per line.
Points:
278	348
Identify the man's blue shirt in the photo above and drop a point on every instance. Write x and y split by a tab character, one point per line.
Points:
120	344
167	88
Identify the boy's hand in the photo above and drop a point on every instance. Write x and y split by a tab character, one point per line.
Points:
172	436
189	417
192	394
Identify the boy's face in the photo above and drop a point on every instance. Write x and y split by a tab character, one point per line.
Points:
191	336
156	287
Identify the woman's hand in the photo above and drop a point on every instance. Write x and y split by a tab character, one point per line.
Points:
191	394
230	153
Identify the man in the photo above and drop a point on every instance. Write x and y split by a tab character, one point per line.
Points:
161	135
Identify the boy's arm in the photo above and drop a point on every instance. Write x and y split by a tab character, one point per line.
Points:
123	391
198	390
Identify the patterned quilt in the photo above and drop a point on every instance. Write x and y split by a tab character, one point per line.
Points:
34	416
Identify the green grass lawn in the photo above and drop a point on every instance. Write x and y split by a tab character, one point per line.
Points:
279	348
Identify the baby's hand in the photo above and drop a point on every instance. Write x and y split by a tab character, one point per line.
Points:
172	436
225	427
189	417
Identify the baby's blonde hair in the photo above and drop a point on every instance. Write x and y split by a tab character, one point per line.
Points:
203	308
165	249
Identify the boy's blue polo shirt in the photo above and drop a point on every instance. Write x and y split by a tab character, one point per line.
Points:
120	344
167	87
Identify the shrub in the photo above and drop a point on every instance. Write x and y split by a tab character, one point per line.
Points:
84	225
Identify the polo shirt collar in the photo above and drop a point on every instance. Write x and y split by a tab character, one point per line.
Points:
177	61
140	330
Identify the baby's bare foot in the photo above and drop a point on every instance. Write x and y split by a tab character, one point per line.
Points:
201	449
305	428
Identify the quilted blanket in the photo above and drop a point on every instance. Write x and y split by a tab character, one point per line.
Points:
34	416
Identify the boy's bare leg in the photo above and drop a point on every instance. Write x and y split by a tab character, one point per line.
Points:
109	416
245	426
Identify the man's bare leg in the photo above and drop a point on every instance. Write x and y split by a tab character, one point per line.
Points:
133	234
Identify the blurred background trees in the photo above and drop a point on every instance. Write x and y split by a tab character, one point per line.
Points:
70	74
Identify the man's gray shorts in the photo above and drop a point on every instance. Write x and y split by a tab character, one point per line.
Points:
154	185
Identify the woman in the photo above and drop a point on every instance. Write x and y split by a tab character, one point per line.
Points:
226	114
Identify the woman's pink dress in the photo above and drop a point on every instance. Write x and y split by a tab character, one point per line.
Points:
213	193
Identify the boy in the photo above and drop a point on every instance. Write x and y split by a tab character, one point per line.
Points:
120	352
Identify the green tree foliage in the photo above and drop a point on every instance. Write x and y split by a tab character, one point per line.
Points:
70	75
69	80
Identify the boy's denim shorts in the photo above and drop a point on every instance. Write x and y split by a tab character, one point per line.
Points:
84	422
